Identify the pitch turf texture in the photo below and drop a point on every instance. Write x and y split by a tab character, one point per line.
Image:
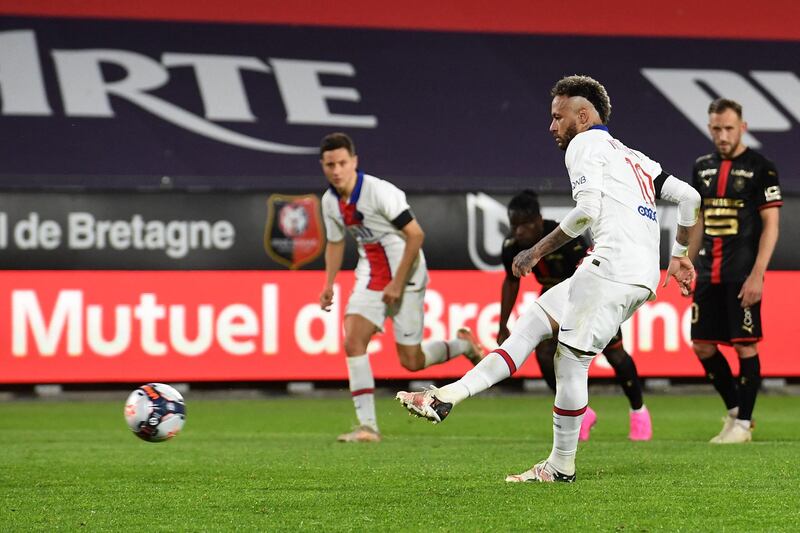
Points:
273	465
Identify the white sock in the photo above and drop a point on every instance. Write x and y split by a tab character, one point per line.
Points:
572	397
744	423
733	413
362	387
442	351
639	410
532	328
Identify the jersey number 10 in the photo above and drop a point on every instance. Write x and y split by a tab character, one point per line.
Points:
645	186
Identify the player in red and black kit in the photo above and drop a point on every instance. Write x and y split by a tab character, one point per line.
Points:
741	196
527	227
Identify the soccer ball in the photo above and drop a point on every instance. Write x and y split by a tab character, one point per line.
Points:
155	412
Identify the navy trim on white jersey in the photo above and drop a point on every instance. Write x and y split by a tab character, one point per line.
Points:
356	190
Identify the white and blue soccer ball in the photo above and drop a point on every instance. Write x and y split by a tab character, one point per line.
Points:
155	412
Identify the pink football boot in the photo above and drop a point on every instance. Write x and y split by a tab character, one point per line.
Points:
589	420
641	426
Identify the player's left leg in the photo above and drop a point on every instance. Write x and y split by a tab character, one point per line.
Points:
596	307
413	353
744	325
641	427
749	383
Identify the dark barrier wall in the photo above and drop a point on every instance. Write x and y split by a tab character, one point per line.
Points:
260	231
133	104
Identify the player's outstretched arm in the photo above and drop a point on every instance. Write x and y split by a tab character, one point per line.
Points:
574	224
334	256
674	190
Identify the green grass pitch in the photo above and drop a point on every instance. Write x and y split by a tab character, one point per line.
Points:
274	465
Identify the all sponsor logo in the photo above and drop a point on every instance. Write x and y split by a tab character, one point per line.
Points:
293	235
648	212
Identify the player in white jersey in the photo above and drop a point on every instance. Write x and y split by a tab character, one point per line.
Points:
391	276
615	189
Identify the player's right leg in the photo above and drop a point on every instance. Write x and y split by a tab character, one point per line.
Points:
709	328
435	404
364	316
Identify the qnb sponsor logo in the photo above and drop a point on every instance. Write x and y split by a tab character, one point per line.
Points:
691	90
579	181
85	91
152	327
648	212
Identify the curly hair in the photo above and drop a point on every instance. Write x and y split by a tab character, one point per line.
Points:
526	203
589	88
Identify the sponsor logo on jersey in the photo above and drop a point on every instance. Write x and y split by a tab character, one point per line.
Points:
648	212
293	235
578	181
708	172
772	194
741	172
738	183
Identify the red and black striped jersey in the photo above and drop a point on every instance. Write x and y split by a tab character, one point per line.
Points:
733	192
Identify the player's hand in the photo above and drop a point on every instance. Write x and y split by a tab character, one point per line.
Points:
524	263
392	292
750	292
682	269
326	299
502	334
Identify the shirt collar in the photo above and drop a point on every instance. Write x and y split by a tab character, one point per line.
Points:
356	190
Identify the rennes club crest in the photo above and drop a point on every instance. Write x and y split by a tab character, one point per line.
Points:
294	229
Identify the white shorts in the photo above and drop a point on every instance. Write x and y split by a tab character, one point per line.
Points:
408	317
590	309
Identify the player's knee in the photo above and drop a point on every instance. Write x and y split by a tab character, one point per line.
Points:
411	358
353	346
746	350
615	356
704	350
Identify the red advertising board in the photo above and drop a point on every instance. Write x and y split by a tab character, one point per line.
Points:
132	326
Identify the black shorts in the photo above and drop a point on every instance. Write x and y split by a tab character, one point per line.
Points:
718	316
616	341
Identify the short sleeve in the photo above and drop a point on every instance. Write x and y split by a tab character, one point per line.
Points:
584	161
769	188
334	228
390	200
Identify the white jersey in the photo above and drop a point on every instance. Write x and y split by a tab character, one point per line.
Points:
626	233
368	215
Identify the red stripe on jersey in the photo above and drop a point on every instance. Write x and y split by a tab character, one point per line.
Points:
380	274
568	412
359	392
777	203
716	260
512	366
349	214
722	180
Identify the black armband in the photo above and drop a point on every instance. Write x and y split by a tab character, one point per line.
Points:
659	183
403	219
